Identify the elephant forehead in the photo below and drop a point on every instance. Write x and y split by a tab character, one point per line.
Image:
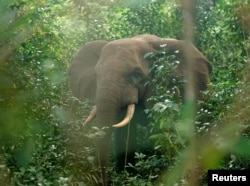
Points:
127	47
124	53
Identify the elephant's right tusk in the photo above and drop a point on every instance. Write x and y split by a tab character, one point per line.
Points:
91	116
127	118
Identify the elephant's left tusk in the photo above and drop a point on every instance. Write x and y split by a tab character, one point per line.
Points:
127	118
91	116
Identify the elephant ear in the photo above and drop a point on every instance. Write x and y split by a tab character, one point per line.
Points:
181	49
82	78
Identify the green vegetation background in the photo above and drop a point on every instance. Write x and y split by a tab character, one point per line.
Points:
41	138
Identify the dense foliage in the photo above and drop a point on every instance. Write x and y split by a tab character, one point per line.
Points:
41	140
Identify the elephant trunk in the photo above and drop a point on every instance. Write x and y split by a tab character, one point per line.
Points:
111	97
107	109
105	117
109	101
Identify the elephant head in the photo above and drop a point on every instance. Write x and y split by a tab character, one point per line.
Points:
114	75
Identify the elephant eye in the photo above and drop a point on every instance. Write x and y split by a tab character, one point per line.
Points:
137	76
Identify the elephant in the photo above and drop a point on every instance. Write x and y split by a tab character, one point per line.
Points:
114	75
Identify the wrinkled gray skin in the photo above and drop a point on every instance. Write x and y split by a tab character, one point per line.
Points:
113	74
